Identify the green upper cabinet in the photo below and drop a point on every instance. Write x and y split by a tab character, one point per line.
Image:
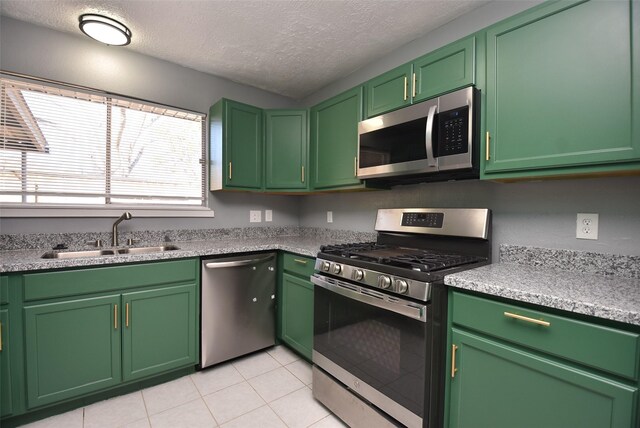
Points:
334	141
389	91
236	146
286	141
6	400
159	330
562	94
446	69
72	348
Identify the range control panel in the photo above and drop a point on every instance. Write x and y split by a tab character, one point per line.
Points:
423	219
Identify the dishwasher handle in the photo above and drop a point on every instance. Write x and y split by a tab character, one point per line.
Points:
235	263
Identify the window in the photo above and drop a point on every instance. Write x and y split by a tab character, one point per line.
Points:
65	147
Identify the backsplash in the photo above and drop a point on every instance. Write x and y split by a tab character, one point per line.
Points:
573	261
82	240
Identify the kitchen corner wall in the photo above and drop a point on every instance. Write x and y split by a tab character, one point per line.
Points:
41	52
540	214
526	213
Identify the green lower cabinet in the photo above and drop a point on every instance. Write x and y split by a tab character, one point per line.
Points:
6	401
497	385
72	348
561	91
159	330
297	314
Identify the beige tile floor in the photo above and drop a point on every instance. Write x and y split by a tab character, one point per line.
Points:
270	389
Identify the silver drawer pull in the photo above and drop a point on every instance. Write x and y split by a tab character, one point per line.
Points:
527	319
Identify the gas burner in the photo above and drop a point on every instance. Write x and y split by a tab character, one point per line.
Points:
353	250
430	262
403	257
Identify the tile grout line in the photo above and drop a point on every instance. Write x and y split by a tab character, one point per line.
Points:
146	410
202	398
274	410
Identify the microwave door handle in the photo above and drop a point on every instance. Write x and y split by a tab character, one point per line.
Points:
431	160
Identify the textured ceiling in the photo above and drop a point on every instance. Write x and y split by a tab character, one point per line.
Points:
290	47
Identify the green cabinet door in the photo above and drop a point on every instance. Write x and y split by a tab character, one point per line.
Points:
242	152
286	142
502	386
562	88
72	348
6	401
297	314
334	141
389	91
158	330
444	70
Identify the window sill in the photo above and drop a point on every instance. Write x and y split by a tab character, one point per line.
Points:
9	211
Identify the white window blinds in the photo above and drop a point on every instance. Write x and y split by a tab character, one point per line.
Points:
64	146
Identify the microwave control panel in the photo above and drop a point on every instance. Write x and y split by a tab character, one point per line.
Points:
453	132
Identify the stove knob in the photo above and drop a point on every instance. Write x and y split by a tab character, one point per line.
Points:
384	282
358	274
325	266
337	268
401	286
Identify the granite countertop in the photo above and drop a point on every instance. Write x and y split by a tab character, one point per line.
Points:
30	260
612	297
600	285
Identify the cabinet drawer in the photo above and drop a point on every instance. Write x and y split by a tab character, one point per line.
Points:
94	280
4	289
298	265
612	350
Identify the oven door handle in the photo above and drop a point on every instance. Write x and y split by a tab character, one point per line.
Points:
399	306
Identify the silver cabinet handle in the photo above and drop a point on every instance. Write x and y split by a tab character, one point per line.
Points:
431	161
235	263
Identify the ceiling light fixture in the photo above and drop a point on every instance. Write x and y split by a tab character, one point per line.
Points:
105	30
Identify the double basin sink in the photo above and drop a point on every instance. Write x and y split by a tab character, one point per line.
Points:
109	252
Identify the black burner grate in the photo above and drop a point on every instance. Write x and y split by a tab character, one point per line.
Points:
408	258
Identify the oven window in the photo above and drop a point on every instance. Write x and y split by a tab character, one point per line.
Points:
384	349
395	144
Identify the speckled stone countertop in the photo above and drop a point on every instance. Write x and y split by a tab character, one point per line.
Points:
307	241
30	260
532	279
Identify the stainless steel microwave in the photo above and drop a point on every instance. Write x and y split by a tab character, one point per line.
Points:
430	141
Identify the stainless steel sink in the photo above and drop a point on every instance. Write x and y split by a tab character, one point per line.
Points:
113	252
144	250
76	254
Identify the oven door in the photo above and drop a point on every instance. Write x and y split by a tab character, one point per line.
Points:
375	344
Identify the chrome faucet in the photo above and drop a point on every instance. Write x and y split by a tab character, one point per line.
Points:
125	216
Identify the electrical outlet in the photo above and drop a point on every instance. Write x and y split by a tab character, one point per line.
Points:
587	226
255	216
329	216
268	215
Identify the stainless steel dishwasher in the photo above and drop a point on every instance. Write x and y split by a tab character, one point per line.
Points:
238	306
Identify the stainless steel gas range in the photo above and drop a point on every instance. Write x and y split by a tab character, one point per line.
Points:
380	315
